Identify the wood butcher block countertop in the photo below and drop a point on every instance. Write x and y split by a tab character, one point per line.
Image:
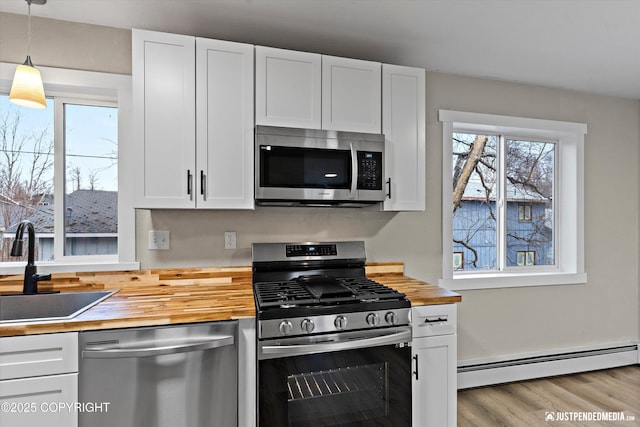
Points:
172	296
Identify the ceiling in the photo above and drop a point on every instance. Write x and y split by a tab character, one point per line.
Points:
584	45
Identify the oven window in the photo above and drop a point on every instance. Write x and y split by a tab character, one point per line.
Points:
292	167
313	395
365	387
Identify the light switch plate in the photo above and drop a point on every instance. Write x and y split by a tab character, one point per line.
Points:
159	240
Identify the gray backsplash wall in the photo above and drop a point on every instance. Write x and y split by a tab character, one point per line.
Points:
197	237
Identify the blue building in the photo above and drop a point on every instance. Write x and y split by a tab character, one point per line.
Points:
529	230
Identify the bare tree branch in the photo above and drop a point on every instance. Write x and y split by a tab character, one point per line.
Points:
477	148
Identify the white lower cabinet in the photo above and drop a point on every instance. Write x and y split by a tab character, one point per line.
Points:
247	396
39	380
434	353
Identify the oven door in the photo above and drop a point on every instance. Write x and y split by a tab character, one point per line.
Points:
353	379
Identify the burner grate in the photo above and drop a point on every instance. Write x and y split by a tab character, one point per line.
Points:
367	289
292	292
275	294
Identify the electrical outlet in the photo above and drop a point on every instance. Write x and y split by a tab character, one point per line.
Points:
159	240
229	239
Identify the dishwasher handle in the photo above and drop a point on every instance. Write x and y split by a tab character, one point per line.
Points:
116	352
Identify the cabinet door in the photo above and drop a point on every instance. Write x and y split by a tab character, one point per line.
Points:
403	124
351	99
164	119
224	107
434	387
40	401
288	88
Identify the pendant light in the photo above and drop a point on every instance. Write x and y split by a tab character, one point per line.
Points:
27	89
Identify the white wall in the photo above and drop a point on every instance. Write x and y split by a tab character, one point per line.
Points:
65	45
492	322
510	321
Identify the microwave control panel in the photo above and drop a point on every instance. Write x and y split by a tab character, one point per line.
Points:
369	170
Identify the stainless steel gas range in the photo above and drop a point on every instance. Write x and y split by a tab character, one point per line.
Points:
333	345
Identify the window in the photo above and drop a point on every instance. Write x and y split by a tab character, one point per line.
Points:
458	260
492	176
526	258
91	178
87	158
512	201
524	212
59	169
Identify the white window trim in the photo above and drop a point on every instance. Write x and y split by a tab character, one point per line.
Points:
91	85
569	227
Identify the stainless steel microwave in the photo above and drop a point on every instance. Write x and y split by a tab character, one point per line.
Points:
318	167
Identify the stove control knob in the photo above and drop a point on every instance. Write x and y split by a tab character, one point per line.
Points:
391	318
307	325
285	327
340	322
373	319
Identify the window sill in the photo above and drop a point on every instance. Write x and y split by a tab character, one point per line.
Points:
67	267
469	282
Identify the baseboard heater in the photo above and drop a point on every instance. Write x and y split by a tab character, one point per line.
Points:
481	374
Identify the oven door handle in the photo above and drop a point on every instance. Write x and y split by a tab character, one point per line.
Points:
273	351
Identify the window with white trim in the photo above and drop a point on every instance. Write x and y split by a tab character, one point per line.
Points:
512	201
59	170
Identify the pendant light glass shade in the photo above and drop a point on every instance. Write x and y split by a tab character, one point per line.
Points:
27	89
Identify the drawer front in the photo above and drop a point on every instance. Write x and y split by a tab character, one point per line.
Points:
433	320
37	355
46	401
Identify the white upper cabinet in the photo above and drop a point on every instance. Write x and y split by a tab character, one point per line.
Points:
309	90
351	98
164	105
224	117
193	116
288	88
403	124
193	122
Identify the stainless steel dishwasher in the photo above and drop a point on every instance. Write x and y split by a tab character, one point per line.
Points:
170	376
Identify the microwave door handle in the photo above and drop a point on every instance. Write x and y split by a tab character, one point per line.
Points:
354	171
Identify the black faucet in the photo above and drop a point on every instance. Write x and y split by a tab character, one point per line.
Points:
31	276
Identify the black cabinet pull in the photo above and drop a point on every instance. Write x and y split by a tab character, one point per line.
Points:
416	371
202	182
189	181
389	187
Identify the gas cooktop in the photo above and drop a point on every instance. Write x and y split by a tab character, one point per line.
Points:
305	280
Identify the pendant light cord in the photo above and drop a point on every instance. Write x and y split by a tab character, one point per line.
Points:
29	28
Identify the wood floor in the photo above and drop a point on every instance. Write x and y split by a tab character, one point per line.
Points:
527	403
